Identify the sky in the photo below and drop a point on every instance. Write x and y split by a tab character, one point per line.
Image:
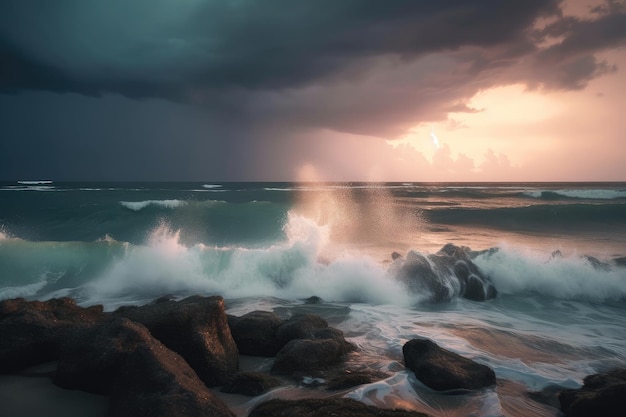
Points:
324	90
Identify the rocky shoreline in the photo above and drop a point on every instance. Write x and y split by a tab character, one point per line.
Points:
168	357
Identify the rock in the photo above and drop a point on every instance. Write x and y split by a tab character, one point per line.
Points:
443	276
310	345
251	384
621	262
31	330
350	380
324	407
197	329
597	264
395	255
255	333
301	326
142	376
306	355
443	370
313	300
601	395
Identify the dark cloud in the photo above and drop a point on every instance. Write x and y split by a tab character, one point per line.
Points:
251	44
205	82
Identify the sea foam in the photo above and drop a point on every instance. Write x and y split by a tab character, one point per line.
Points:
517	271
289	270
140	205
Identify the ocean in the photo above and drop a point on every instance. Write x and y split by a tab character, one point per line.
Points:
555	252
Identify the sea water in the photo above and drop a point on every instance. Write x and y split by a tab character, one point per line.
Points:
555	253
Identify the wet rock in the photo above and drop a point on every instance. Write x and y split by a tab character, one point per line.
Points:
621	262
142	376
306	355
350	380
443	370
601	395
313	300
556	254
442	276
197	329
597	264
255	333
310	345
301	326
324	407
32	330
395	255
251	384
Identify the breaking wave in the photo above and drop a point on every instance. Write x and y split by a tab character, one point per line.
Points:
140	205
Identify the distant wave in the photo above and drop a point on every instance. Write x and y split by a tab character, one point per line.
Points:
583	194
41	182
212	185
140	205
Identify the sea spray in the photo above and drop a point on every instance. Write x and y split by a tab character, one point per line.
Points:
360	216
289	270
519	271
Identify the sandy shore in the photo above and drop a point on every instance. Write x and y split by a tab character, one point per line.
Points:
31	393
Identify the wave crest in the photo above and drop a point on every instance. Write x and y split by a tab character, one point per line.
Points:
140	205
514	271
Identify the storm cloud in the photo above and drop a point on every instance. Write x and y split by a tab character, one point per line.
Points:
260	68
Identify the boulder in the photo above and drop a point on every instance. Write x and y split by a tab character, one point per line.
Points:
601	395
306	355
350	380
314	299
323	407
255	333
597	264
443	370
142	376
310	345
251	384
301	326
621	261
442	276
197	329
32	330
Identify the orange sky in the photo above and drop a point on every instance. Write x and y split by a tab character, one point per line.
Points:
573	135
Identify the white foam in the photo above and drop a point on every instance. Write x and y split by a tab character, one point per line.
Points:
515	271
404	391
21	291
140	205
41	182
212	185
289	270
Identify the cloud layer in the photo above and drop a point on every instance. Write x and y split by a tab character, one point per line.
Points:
264	68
